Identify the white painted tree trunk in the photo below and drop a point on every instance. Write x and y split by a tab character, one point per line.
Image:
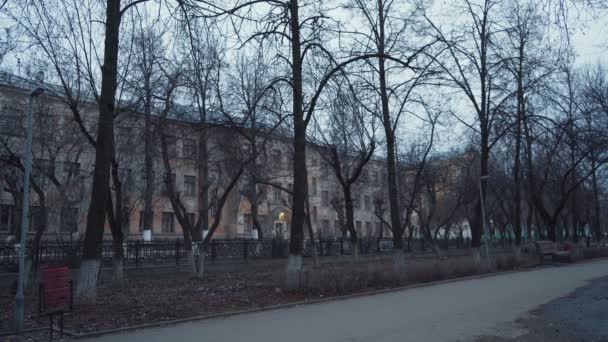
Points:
476	254
294	268
355	251
86	287
118	273
198	262
438	252
517	254
315	255
399	263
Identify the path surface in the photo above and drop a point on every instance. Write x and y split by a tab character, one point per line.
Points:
456	311
580	316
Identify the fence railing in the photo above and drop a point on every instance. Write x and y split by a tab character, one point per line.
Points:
137	252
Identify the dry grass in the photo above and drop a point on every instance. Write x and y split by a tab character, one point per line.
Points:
360	276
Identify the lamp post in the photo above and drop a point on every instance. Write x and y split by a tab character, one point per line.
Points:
25	218
482	180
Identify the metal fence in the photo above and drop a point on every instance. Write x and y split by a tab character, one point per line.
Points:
137	252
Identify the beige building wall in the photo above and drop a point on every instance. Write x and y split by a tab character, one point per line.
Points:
60	145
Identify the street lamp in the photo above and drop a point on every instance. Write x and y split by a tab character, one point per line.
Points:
25	218
482	180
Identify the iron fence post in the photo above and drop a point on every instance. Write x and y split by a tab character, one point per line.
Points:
176	251
213	251
320	247
245	249
137	253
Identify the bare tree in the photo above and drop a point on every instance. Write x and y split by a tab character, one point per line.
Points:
65	33
387	33
595	93
252	106
469	64
346	142
66	189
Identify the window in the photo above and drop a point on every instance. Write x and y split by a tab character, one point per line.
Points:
325	198
376	178
325	226
358	227
69	220
7	216
324	171
276	157
189	151
313	187
171	183
11	120
123	139
11	126
276	193
172	147
364	176
71	170
368	228
191	218
262	191
36	218
44	169
126	220
314	162
356	203
248	221
314	214
126	178
337	226
168	222
141	221
190	185
213	176
379	228
368	204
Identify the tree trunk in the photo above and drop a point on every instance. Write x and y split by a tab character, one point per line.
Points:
517	162
148	163
350	223
118	261
393	195
203	178
87	279
311	235
300	186
597	228
197	256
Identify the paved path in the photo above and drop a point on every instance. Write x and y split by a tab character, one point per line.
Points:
456	311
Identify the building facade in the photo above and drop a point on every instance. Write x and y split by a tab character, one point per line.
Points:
63	158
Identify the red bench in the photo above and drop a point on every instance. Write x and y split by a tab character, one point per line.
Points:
55	294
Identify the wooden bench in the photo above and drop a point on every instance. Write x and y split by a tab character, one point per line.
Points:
547	247
55	294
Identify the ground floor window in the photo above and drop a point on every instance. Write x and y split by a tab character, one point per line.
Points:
7	216
168	222
141	221
69	220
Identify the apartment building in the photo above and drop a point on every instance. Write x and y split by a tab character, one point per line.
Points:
63	165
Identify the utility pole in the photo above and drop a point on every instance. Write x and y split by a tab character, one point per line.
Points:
19	298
